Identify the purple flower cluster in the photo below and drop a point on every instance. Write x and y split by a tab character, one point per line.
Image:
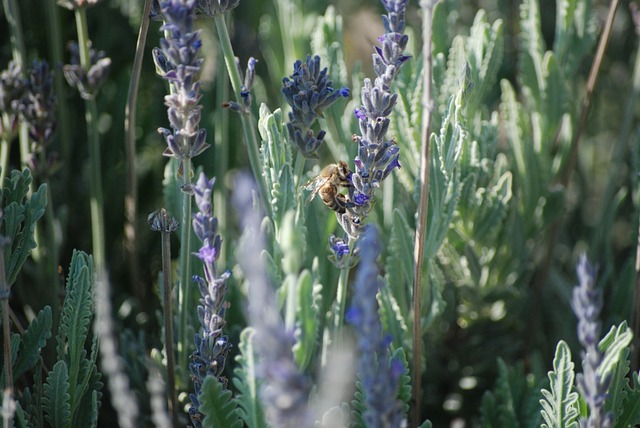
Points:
87	82
378	374
308	91
587	304
212	346
177	61
38	104
11	89
377	155
285	391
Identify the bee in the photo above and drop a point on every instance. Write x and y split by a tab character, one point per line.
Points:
326	185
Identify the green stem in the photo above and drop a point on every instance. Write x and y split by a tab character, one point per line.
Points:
185	273
341	296
298	168
221	196
5	150
95	175
246	119
168	316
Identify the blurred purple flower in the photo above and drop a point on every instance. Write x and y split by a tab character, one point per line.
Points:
87	82
587	304
380	375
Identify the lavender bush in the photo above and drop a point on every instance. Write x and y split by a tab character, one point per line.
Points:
290	163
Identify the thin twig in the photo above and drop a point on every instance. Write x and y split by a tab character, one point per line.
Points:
423	208
131	196
6	327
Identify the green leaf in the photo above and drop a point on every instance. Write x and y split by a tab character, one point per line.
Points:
404	390
308	319
613	344
33	340
56	400
20	215
560	405
217	406
629	413
75	319
246	381
399	262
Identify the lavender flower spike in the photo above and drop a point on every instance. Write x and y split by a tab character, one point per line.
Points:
212	346
308	91
379	376
587	304
177	61
285	391
377	155
11	89
38	106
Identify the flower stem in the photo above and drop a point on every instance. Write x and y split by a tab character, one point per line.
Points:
185	272
246	119
168	319
421	227
341	296
5	150
95	175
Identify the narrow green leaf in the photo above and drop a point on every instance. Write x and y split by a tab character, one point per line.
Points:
560	405
33	340
56	400
246	381
629	414
217	406
308	319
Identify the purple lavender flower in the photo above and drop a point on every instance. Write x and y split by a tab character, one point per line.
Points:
177	61
206	8
245	90
308	91
587	304
212	346
380	377
87	82
38	104
377	155
285	391
11	90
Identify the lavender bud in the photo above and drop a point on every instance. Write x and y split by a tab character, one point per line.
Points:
87	82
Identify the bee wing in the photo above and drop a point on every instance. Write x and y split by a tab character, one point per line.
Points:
314	185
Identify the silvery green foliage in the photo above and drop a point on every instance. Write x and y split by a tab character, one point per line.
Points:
72	391
285	390
560	402
20	213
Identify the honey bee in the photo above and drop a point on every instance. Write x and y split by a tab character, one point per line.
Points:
326	185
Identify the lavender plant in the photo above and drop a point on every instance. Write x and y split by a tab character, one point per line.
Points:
212	346
587	304
378	374
178	62
505	134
